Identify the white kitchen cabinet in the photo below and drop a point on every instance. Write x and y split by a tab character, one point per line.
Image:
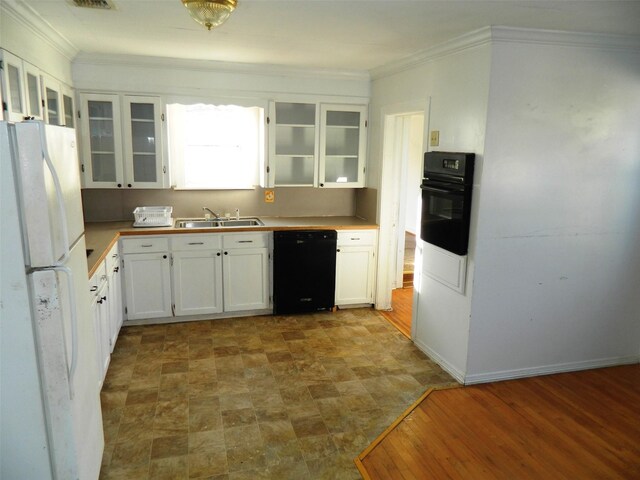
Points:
343	145
52	95
197	274
316	145
33	91
293	144
99	297
13	88
147	277
101	161
114	280
355	267
142	122
245	267
122	141
68	106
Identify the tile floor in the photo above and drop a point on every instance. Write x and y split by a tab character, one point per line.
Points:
269	397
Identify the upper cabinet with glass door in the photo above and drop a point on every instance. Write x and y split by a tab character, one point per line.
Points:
101	161
343	144
33	91
13	88
316	145
121	148
143	165
293	144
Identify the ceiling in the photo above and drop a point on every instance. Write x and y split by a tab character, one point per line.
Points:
344	34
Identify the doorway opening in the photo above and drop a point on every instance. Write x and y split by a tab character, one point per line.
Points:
403	146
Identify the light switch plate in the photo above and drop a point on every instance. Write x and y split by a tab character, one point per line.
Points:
434	138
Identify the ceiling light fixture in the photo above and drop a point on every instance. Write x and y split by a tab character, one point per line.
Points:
210	13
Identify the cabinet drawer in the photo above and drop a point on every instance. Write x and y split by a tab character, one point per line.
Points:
112	259
196	242
245	240
356	237
145	245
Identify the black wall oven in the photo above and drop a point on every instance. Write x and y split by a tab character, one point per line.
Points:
446	200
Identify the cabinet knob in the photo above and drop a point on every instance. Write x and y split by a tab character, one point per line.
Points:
164	256
218	254
119	185
129	185
93	289
322	184
337	250
226	253
116	269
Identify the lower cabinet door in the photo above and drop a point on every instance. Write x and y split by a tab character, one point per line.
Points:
197	282
100	312
115	305
147	278
354	275
246	279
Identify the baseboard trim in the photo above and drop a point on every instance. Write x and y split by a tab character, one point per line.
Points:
446	366
549	369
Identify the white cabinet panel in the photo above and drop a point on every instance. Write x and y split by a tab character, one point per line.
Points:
355	266
197	282
246	279
147	285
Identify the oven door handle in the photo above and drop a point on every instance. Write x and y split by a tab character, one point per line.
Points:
441	190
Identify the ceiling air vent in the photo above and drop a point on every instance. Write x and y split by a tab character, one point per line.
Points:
102	4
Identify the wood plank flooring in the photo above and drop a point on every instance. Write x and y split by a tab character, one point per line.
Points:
579	425
400	316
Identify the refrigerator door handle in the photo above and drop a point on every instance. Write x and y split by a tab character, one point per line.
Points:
71	368
59	196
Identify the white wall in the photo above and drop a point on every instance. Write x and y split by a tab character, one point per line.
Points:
36	43
557	274
458	84
177	79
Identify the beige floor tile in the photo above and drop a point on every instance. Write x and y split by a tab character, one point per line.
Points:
277	397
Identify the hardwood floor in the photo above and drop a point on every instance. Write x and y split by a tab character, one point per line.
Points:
580	425
400	316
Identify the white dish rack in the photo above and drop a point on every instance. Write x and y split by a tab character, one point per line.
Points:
153	217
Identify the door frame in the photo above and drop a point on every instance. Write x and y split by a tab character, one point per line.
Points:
390	187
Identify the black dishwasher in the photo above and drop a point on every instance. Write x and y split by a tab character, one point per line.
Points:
304	271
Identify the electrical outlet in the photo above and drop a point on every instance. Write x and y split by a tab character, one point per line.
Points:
434	139
269	196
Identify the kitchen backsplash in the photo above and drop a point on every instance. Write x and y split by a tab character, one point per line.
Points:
102	205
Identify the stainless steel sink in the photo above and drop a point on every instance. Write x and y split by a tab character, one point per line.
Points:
221	223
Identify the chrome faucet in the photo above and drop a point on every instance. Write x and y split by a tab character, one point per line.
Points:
207	209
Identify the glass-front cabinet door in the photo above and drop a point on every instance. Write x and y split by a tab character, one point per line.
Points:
342	145
53	104
293	140
68	119
13	89
33	103
143	142
101	161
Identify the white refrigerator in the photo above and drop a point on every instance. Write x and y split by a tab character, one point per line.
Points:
50	416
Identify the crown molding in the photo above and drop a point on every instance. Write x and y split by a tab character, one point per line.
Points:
501	34
217	66
466	41
23	14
